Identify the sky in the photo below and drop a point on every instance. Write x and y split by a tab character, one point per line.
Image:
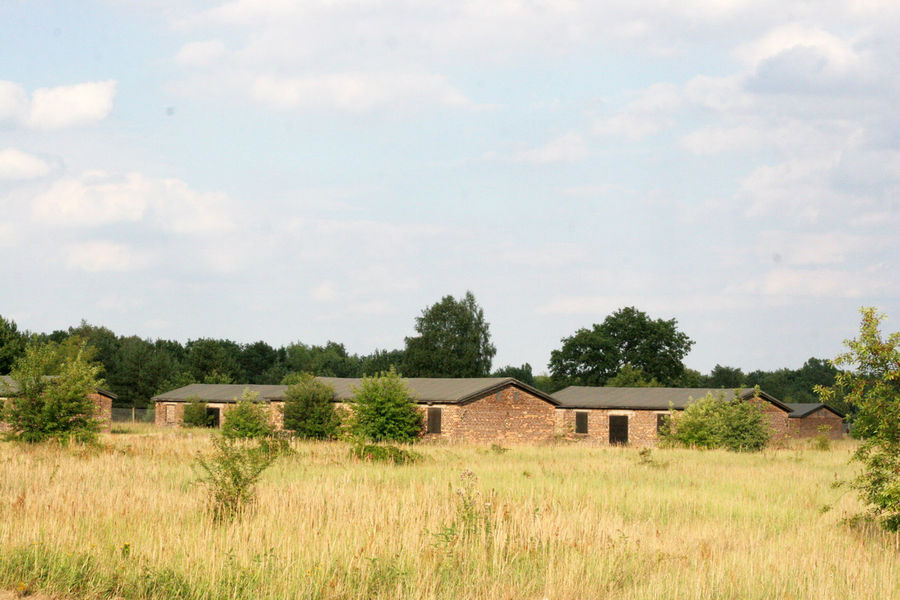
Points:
324	170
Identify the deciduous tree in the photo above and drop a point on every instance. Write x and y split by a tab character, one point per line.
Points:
454	341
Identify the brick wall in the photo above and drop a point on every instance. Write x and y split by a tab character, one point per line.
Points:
808	426
104	410
641	425
510	415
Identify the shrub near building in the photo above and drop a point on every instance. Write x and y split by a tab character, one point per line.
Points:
248	419
308	408
737	424
383	410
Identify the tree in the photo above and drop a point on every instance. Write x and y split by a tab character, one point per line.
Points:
12	344
726	377
629	376
454	341
872	386
308	408
213	361
383	360
52	400
255	360
522	373
248	419
383	409
628	336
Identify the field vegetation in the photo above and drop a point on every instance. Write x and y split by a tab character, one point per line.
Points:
128	519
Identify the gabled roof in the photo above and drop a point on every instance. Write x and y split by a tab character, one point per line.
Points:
648	398
425	390
801	410
10	385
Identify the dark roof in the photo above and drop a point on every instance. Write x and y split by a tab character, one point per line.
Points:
425	390
10	385
647	398
800	410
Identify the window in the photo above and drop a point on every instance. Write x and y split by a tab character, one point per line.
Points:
618	429
170	413
662	423
581	422
434	420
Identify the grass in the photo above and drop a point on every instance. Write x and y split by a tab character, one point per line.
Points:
563	521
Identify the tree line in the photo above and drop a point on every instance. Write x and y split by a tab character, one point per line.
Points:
453	339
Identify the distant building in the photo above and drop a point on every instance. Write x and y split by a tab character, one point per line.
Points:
502	409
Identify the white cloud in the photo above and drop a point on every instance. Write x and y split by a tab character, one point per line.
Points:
15	164
71	105
818	283
102	256
200	54
13	101
326	291
570	147
99	198
650	112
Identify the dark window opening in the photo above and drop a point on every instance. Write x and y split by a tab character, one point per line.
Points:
213	416
434	420
618	429
581	422
662	424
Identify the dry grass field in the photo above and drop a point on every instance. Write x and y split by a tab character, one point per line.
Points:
556	521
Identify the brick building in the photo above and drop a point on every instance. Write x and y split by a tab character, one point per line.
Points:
492	409
634	415
502	409
102	400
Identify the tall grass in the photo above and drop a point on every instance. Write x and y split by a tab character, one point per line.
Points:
127	521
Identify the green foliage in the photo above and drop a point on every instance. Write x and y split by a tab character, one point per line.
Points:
383	410
12	344
821	441
629	376
737	424
308	408
43	407
454	341
249	419
626	337
195	414
798	385
231	472
522	373
727	378
383	453
872	387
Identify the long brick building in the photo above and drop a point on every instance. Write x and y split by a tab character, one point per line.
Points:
507	410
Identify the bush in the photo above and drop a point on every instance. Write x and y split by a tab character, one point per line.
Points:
231	472
195	414
384	453
248	419
52	395
713	422
308	408
383	409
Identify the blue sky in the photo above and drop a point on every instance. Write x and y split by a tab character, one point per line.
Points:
279	170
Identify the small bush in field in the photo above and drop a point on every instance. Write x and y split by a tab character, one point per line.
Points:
195	414
308	408
821	441
384	453
737	424
231	472
249	419
383	410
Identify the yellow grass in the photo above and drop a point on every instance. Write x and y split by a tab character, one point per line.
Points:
562	521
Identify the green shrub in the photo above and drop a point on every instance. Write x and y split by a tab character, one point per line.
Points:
51	395
309	409
248	419
737	424
383	409
383	453
231	472
195	414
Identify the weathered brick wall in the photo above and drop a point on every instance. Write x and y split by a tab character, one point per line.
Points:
104	410
778	421
808	426
510	415
641	425
168	414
